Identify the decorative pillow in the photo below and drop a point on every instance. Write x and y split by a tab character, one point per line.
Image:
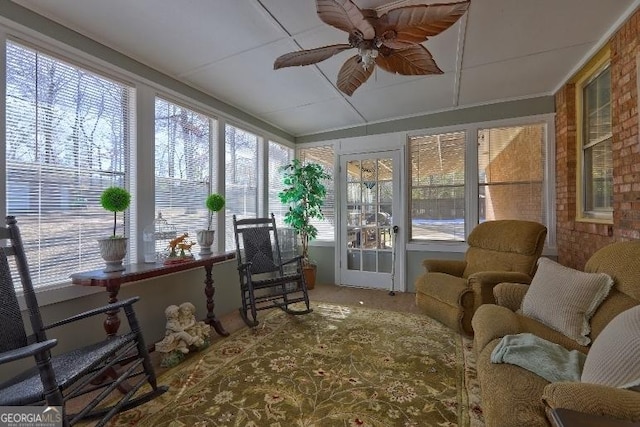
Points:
565	299
613	358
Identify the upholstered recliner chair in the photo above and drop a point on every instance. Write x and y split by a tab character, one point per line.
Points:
499	251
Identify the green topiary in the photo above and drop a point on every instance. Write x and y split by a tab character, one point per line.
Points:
115	199
215	203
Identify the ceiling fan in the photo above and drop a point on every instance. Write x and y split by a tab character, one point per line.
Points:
391	40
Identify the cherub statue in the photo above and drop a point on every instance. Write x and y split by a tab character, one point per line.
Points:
181	333
195	328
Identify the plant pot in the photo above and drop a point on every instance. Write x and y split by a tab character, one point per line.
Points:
309	272
205	240
113	251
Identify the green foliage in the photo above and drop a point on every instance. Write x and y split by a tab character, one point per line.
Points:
215	202
115	199
304	193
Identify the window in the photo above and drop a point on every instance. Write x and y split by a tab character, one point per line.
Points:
596	137
323	155
510	173
182	166
279	156
241	178
437	177
68	134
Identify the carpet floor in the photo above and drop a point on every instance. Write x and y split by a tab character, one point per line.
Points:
342	365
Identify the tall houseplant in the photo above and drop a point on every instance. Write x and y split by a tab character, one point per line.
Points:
113	249
214	203
304	192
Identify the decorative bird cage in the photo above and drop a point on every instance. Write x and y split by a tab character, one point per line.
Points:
156	238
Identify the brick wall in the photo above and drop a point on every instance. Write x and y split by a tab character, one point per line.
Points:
577	241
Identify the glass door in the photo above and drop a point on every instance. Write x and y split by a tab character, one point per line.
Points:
370	196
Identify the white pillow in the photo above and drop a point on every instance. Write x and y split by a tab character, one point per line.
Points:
613	358
565	299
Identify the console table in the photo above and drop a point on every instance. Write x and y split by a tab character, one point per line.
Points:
142	271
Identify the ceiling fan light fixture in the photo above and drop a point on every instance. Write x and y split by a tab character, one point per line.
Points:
391	41
367	57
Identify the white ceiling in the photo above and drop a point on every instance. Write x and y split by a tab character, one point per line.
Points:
500	50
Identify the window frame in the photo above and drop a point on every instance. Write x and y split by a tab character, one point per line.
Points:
130	225
142	209
472	179
599	63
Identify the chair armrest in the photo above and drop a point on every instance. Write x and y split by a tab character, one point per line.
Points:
110	307
452	267
483	283
244	266
492	322
510	295
593	399
29	350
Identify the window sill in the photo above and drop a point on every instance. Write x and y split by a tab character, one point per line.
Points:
59	293
433	246
595	220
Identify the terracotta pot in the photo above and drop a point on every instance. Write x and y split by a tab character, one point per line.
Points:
309	272
205	240
113	251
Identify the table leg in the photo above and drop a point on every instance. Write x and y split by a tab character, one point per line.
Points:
112	322
111	325
209	290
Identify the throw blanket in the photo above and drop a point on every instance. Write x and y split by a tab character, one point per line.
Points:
549	360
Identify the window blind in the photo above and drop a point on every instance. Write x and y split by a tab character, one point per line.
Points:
438	186
511	173
241	178
323	155
183	147
68	133
279	156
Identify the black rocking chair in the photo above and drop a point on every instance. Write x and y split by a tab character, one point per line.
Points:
53	381
265	280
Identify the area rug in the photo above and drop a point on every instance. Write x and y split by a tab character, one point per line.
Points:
338	366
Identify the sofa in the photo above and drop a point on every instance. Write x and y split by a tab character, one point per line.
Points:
514	396
450	291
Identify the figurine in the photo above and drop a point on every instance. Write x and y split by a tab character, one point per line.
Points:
182	333
179	243
195	328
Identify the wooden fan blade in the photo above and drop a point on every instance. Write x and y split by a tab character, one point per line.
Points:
345	16
412	61
308	57
414	24
352	75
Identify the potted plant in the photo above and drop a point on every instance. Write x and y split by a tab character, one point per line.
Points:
304	193
214	203
113	249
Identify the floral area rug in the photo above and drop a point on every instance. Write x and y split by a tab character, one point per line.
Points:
338	366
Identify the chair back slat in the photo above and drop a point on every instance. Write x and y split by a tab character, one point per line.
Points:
12	332
13	250
257	243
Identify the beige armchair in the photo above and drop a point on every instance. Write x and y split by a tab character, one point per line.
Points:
499	251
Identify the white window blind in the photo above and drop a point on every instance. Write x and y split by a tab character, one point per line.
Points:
437	186
183	147
68	135
511	173
597	145
324	156
279	156
241	178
